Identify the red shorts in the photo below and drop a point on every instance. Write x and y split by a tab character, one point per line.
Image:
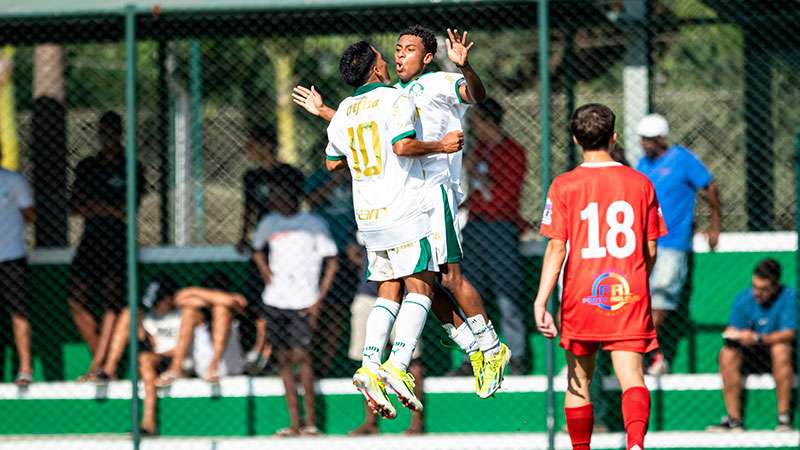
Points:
586	348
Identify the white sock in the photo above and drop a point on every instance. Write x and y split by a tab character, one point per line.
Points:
410	322
379	324
463	337
484	332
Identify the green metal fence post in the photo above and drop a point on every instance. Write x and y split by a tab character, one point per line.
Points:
196	87
797	259
130	174
544	111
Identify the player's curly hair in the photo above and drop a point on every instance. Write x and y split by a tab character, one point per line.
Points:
356	63
427	36
593	126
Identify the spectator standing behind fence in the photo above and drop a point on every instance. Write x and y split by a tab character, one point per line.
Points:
677	175
496	167
262	148
291	248
330	196
760	337
98	269
16	210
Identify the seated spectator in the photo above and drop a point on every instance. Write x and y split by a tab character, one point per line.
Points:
157	335
297	244
760	337
158	321
207	319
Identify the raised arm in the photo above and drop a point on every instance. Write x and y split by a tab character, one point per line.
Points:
311	101
473	90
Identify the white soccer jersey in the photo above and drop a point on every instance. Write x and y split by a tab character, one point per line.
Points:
388	199
440	109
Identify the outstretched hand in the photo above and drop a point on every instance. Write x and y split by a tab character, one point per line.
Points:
308	99
457	47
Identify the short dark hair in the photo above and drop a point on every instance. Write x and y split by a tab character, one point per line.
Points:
593	126
425	34
288	179
111	121
217	280
356	63
491	110
264	134
769	269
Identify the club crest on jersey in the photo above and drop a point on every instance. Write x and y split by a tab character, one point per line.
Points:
610	292
416	89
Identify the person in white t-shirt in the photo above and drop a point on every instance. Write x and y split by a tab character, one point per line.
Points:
16	210
291	249
208	321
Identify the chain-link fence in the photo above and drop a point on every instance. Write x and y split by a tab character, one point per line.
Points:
224	155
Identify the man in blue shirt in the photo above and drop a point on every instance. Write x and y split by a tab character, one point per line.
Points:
677	174
760	337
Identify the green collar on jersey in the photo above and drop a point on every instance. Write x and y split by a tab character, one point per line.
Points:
404	84
368	87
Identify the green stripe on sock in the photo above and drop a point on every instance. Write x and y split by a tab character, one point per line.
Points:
387	310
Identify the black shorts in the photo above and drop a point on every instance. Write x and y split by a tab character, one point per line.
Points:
288	328
100	265
756	359
99	259
13	292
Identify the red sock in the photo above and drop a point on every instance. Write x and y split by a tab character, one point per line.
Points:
580	421
636	412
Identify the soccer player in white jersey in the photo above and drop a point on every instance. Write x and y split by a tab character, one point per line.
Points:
372	133
440	100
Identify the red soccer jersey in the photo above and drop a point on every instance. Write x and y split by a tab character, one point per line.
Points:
605	212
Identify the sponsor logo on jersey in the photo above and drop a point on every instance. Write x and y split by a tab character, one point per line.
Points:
610	292
547	214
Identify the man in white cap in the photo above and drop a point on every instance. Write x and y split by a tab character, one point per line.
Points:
677	175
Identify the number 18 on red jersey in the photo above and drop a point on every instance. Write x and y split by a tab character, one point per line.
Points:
606	213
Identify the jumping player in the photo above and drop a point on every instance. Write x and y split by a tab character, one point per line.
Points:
604	219
440	100
372	133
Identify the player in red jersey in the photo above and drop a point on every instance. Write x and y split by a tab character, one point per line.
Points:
604	218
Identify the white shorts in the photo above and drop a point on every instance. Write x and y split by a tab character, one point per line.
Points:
399	262
359	312
445	228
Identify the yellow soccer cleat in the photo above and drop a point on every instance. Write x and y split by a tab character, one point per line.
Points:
476	360
374	391
402	383
493	372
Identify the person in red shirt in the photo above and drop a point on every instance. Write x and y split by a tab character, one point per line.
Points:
496	166
604	218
